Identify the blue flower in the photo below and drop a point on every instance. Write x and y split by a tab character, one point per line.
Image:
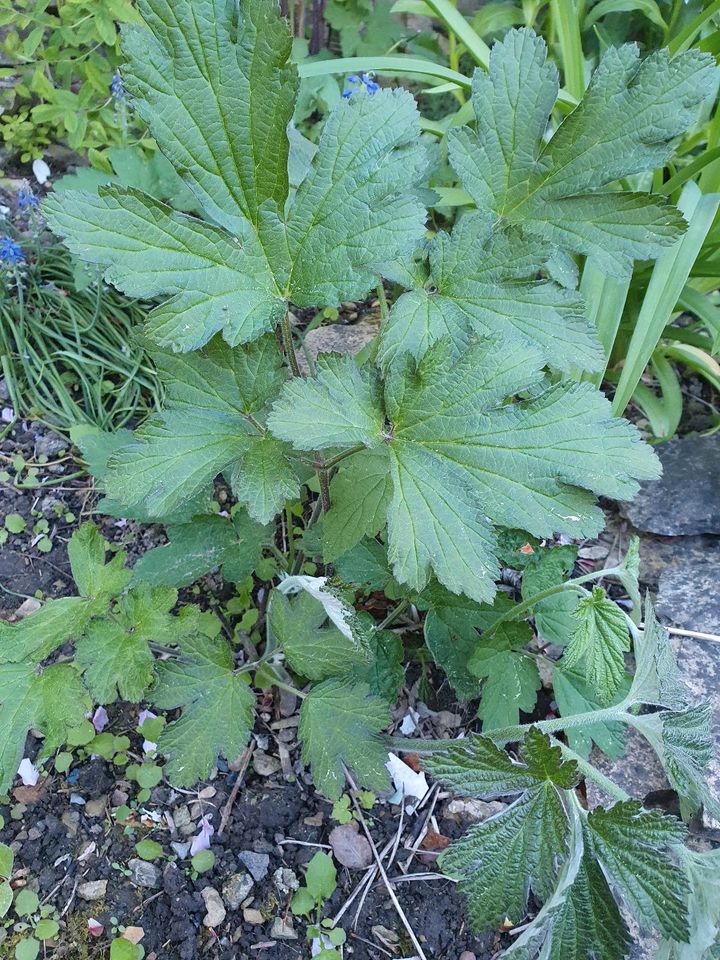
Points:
365	82
117	88
11	254
27	199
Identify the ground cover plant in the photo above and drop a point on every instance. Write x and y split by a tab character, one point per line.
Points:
457	445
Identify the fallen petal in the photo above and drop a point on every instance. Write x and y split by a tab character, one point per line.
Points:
27	773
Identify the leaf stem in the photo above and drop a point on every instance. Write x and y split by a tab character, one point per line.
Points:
289	687
382	300
394	614
573	584
288	345
590	772
333	461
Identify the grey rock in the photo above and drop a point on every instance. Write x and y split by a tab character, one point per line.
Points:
473	810
686	499
92	890
688	596
144	874
96	808
337	338
216	912
285	881
264	764
49	443
257	863
282	930
639	771
236	889
251	915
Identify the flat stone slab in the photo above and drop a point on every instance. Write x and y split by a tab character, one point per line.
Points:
686	499
688	595
639	771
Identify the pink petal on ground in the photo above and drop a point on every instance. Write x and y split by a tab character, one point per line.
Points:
95	928
100	719
201	841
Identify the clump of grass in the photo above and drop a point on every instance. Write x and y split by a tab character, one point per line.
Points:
69	350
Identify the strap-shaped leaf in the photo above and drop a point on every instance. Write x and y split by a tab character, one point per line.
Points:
457	456
625	124
217	282
207	426
218	708
481	282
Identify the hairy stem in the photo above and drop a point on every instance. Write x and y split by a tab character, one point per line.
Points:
515	612
288	345
394	614
328	464
590	772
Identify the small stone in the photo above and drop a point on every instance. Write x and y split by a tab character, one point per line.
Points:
257	863
48	444
285	881
119	797
253	916
93	890
236	889
181	849
265	765
350	848
181	816
143	873
467	955
96	808
34	833
31	605
71	819
474	810
215	907
282	930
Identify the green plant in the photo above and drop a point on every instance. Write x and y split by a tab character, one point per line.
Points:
65	56
320	884
452	449
68	349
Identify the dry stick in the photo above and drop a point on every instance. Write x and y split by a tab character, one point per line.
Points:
695	634
368	878
381	869
227	809
423	829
